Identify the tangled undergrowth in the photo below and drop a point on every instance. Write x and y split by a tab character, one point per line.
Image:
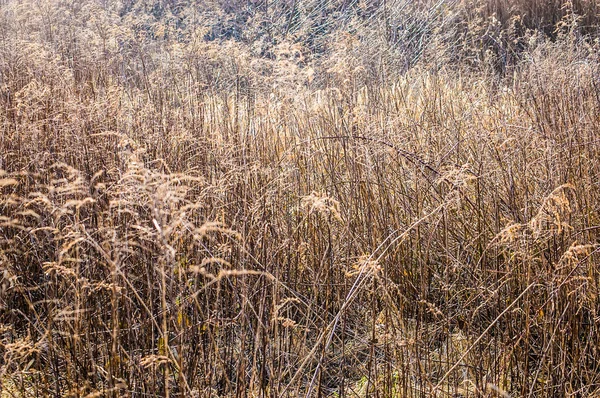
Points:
317	214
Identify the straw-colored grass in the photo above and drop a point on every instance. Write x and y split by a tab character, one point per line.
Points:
399	199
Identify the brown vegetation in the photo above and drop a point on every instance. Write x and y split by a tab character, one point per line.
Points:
303	198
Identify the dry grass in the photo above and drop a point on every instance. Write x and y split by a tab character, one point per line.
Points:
343	214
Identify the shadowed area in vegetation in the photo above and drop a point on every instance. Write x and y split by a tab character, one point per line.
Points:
299	198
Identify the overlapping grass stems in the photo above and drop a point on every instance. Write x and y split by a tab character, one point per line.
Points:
183	217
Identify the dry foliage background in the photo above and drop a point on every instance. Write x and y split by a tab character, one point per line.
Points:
341	198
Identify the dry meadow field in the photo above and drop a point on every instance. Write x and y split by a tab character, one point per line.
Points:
300	198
